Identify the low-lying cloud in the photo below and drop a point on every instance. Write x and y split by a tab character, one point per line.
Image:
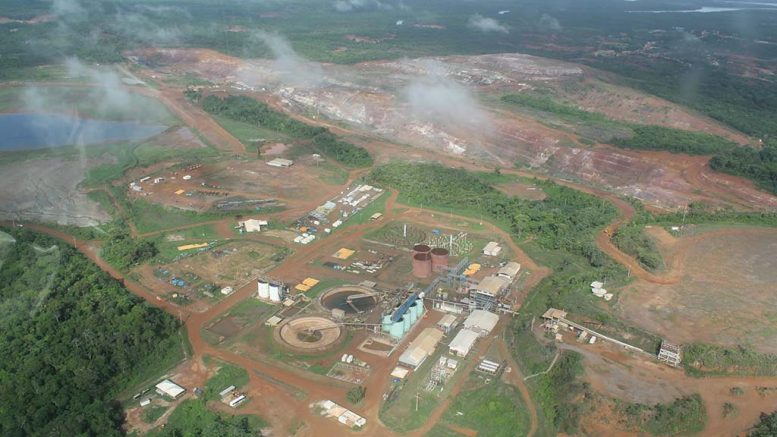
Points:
486	25
295	70
438	98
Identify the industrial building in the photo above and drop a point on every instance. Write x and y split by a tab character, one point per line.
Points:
252	225
482	322
509	271
487	292
421	348
669	354
169	388
463	341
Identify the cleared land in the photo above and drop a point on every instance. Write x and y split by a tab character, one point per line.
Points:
725	294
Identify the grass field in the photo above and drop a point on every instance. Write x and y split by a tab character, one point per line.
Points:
226	376
493	409
249	134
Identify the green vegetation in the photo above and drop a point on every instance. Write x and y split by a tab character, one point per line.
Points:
356	394
729	410
92	339
192	418
123	251
495	409
226	375
760	166
643	137
252	113
152	412
558	392
442	431
766	427
702	360
685	415
631	239
701	213
673	140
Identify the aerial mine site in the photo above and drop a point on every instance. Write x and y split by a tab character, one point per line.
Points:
388	218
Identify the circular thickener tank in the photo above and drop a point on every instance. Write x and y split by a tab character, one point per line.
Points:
422	265
421	248
439	258
264	289
351	299
397	329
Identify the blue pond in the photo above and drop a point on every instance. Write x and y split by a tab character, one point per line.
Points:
37	131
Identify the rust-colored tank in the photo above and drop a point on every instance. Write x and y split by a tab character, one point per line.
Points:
421	248
422	265
439	258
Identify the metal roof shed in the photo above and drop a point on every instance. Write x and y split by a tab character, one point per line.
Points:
169	388
482	322
463	341
509	271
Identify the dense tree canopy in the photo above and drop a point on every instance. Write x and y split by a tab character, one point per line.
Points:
72	337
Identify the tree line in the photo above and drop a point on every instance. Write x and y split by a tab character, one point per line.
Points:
251	111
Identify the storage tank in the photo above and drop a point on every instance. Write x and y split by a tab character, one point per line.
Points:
397	329
421	248
386	325
407	324
275	293
439	258
264	289
412	314
422	265
419	309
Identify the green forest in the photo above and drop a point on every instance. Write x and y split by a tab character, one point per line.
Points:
72	339
248	110
193	418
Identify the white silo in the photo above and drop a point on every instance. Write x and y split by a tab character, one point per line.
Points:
275	293
264	289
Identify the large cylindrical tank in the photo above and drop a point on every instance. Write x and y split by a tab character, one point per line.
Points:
422	265
412	314
419	308
407	323
397	329
421	248
386	323
439	258
275	293
264	289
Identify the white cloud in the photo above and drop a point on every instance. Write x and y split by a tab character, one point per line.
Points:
486	25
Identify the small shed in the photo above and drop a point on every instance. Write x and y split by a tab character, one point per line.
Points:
492	249
280	162
447	323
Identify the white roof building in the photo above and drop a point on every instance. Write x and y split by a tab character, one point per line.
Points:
491	285
463	341
509	271
447	322
492	249
280	162
169	388
482	322
253	225
421	348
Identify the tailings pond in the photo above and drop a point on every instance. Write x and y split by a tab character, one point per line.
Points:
38	131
